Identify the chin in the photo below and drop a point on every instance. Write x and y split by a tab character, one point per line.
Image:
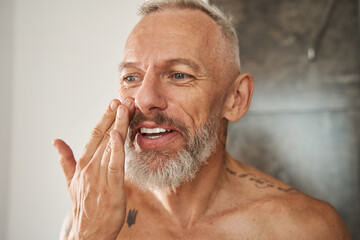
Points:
150	169
171	164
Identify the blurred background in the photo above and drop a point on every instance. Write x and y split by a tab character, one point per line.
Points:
58	72
304	122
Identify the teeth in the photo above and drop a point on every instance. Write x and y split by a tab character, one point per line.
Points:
152	137
153	130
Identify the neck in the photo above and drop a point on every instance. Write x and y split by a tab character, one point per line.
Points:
192	199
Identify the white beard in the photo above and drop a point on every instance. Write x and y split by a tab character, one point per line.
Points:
156	169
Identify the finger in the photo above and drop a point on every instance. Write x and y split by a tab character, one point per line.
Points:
130	104
115	175
67	160
123	117
115	167
104	148
102	154
98	132
121	124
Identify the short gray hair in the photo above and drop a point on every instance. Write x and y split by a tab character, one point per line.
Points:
223	21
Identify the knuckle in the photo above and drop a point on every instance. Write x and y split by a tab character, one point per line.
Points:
108	115
113	169
62	162
96	133
108	148
107	135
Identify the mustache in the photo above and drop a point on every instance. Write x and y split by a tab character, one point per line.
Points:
158	118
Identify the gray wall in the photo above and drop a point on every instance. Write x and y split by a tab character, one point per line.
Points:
304	122
6	16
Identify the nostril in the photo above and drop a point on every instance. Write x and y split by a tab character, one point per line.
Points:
150	96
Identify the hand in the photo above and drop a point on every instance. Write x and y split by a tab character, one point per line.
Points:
96	181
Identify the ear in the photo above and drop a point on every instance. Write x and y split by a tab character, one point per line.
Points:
238	99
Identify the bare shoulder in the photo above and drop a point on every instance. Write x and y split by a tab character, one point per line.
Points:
299	216
280	210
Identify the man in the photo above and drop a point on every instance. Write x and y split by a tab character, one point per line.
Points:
180	86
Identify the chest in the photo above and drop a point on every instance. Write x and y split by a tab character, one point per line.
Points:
220	227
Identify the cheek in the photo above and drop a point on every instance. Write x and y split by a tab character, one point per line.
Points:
193	110
124	92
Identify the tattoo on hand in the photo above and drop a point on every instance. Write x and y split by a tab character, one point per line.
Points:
131	217
259	182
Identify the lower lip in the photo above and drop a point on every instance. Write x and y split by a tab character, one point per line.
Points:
155	143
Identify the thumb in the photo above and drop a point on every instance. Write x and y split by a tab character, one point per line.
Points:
67	160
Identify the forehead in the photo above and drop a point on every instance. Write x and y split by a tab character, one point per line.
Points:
173	33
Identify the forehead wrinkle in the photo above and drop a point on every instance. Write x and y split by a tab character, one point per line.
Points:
183	61
208	38
168	63
125	64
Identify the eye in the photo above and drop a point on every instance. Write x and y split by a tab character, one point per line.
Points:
130	78
180	76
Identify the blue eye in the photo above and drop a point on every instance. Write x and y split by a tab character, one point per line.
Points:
130	78
180	75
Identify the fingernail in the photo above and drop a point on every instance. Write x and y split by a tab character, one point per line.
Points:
128	103
120	112
113	105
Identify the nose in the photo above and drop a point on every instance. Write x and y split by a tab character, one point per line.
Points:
150	95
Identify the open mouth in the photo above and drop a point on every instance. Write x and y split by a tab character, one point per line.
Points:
153	133
156	137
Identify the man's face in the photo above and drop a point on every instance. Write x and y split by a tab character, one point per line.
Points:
171	69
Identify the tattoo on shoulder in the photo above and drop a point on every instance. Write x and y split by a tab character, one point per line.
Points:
231	171
259	182
131	217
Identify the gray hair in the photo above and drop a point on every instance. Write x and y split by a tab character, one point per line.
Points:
222	20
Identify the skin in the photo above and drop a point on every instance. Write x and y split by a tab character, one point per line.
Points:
228	199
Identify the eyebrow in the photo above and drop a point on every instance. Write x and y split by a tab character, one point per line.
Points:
171	62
